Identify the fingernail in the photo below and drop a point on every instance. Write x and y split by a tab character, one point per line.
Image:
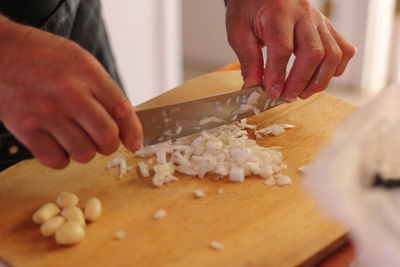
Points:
305	95
290	100
137	145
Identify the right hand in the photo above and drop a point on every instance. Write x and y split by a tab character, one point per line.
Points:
58	100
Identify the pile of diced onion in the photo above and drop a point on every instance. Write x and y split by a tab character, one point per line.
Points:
224	151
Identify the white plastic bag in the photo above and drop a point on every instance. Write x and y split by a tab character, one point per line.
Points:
366	145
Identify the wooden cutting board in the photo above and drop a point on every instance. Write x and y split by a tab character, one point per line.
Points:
258	225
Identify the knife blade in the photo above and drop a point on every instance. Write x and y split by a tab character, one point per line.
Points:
180	119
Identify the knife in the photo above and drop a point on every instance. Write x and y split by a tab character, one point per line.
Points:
180	119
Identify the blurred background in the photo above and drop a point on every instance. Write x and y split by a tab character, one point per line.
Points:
161	43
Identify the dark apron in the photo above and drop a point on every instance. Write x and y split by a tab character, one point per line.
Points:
79	21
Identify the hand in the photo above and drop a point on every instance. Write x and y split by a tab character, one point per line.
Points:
286	27
57	99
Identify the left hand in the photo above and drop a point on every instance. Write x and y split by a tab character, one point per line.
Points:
286	27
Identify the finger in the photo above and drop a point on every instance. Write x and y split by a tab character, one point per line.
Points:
131	132
326	70
348	50
278	37
309	54
248	51
45	149
118	106
73	139
94	119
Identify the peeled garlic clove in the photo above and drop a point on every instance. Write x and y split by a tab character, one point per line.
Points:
71	232
73	213
45	212
50	227
93	208
66	199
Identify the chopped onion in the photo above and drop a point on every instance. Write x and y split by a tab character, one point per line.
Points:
120	235
236	174
270	181
178	129
210	119
275	129
282	179
163	173
120	161
245	107
199	193
253	98
161	154
146	151
303	169
225	151
161	213
256	110
143	168
216	245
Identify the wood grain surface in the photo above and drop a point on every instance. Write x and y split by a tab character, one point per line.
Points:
258	225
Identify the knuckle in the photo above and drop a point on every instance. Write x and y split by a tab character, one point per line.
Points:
334	55
123	110
46	109
278	7
316	54
282	50
83	59
304	4
65	85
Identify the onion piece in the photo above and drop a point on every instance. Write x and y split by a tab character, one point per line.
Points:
119	235
210	119
303	170
282	179
236	174
163	173
143	168
178	129
216	245
253	98
161	213
245	107
199	193
146	151
270	181
120	161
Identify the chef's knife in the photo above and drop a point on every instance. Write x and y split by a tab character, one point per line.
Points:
186	118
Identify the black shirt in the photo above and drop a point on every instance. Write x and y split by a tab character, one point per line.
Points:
29	12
